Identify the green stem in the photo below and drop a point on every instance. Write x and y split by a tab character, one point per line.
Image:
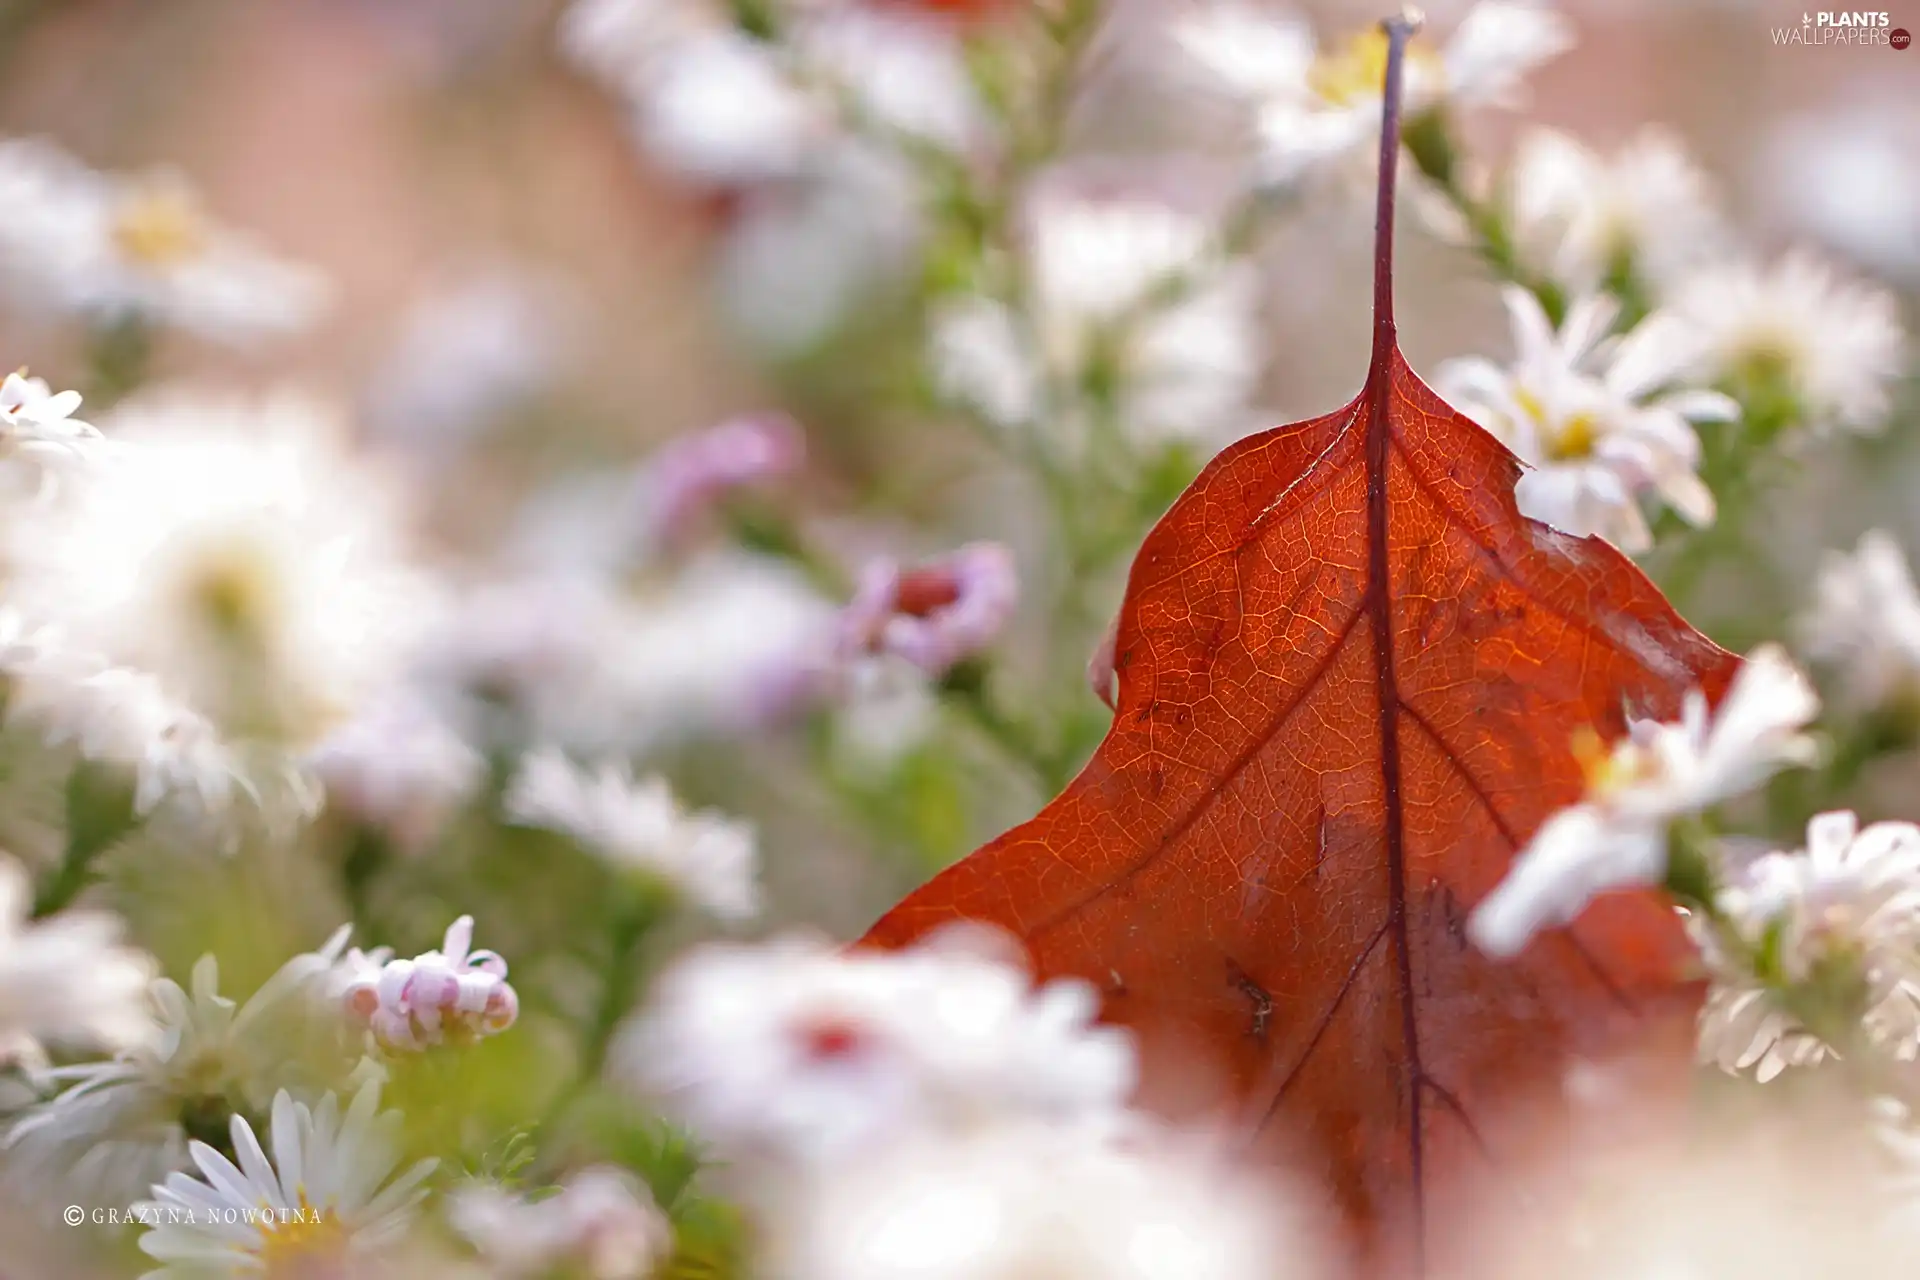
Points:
633	917
965	689
100	812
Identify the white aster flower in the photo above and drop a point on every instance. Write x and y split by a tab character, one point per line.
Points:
398	767
1135	316
1581	217
1865	621
1850	902
65	979
1842	171
34	420
1598	418
723	110
118	716
327	1196
1833	345
729	643
116	248
806	1052
115	1126
467	354
1317	104
640	827
619	40
1041	1200
1617	836
601	1224
238	554
904	71
454	995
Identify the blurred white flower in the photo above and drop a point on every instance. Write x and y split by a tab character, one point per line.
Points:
640	827
1041	1200
115	1126
1848	903
117	248
730	642
1865	621
466	354
1845	173
934	615
801	254
1831	344
806	1052
722	104
618	40
118	716
1581	217
327	1196
65	980
238	553
904	70
1617	836
450	996
1597	418
398	767
36	421
602	1224
1136	319
1314	104
723	110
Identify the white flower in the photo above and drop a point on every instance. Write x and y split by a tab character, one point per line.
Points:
65	979
467	354
619	40
115	1126
722	109
1041	1200
327	1195
238	554
1314	105
452	996
639	826
601	1222
1833	345
1596	417
904	70
1617	836
1842	172
807	1052
1131	303
35	420
804	253
729	643
117	716
1580	217
139	247
1865	620
1851	899
398	767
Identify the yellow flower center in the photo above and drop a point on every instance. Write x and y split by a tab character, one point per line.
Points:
292	1240
1610	770
159	226
1357	70
1572	438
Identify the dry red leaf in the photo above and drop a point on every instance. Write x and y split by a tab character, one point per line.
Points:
1350	677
